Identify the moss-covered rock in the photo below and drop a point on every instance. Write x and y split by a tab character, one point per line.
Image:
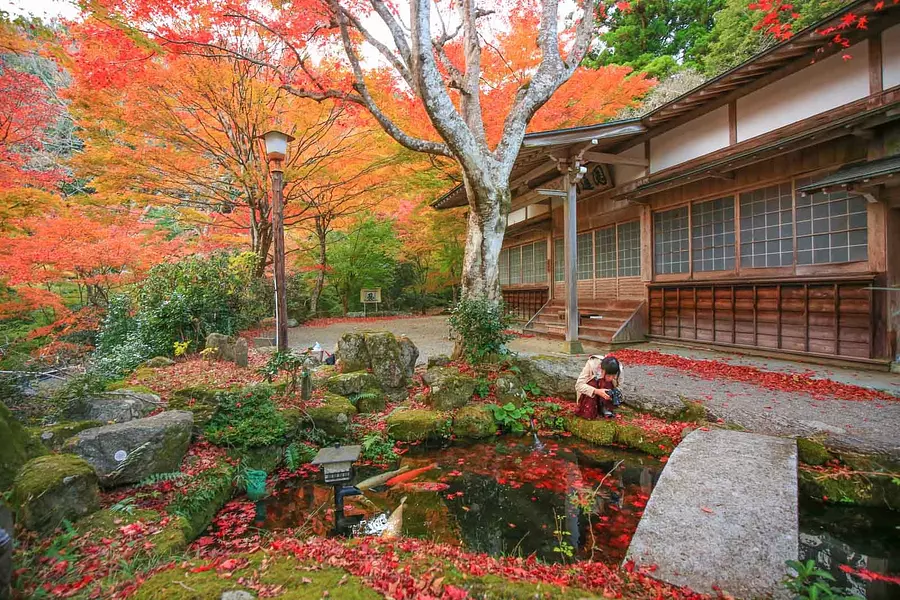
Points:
508	388
297	583
811	452
205	496
694	412
871	484
474	422
349	384
448	388
199	400
17	447
158	362
130	452
604	432
333	415
601	431
50	489
371	400
352	352
555	375
413	425
636	438
54	436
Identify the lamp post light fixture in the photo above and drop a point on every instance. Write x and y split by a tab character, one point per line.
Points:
276	146
337	466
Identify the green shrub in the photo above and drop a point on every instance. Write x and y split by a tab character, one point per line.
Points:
283	362
378	448
181	302
480	326
246	418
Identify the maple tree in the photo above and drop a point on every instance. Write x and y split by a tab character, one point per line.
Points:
445	74
28	110
95	254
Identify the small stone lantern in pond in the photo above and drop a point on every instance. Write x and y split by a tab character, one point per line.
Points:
337	466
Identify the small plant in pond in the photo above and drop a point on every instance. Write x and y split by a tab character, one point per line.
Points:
378	448
480	327
509	417
283	362
812	583
483	388
563	547
246	418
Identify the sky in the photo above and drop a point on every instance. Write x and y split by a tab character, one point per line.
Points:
45	9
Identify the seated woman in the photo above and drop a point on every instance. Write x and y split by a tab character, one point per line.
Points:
594	387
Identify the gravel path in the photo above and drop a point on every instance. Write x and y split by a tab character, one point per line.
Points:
867	426
430	334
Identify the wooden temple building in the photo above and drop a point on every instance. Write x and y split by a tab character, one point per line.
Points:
759	211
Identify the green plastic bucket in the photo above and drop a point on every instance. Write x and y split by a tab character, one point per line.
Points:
256	484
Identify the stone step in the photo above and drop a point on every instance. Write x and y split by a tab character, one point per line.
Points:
724	514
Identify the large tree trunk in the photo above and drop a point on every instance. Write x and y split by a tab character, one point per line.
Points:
320	276
261	242
488	208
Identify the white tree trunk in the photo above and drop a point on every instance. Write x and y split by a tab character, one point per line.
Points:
488	208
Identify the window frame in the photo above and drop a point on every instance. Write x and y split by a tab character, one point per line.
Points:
524	276
794	269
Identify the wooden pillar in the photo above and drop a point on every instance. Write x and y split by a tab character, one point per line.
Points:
570	245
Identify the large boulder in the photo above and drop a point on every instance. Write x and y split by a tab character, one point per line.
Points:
474	422
50	489
130	452
507	388
555	375
199	400
352	352
413	425
17	446
333	416
392	361
385	359
448	388
113	407
229	348
409	355
350	384
54	436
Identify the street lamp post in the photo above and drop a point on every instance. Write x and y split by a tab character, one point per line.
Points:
276	144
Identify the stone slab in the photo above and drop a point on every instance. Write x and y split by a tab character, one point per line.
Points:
724	514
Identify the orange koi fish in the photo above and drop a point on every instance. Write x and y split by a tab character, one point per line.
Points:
409	475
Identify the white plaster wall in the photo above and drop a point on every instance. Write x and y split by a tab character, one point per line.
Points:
536	209
701	136
625	173
516	216
818	88
890	56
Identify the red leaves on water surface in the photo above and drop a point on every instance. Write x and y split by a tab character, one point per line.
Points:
867	575
805	382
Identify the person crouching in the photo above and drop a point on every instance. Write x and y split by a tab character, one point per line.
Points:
596	387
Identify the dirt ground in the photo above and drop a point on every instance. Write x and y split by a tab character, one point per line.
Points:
869	426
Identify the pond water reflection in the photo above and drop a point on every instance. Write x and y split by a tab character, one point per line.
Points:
507	497
842	538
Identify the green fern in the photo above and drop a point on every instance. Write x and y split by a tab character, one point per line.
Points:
160	477
125	505
355	398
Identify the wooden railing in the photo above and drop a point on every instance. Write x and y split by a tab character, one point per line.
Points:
524	303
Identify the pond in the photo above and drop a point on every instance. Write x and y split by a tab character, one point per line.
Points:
557	501
866	540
